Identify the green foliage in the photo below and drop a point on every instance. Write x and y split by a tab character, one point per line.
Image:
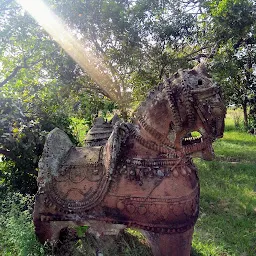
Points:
81	230
226	225
28	117
24	126
137	39
16	228
233	70
232	27
89	105
232	19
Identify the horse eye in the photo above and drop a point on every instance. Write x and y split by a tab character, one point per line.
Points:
200	82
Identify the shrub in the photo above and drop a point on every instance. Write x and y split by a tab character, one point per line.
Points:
17	236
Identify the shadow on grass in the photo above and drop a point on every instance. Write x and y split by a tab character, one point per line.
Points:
194	252
227	228
125	244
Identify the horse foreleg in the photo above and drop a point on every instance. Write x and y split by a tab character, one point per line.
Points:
176	244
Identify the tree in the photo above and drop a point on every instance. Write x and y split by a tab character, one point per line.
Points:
136	39
232	27
233	70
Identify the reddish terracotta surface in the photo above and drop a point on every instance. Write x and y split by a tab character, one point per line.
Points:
143	176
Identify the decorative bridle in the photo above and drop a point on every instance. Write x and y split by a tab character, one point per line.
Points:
193	100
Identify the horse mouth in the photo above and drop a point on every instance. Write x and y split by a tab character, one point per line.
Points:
189	139
198	146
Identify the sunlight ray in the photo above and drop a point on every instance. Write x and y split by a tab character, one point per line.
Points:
78	51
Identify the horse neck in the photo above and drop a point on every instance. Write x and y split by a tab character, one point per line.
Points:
154	118
149	141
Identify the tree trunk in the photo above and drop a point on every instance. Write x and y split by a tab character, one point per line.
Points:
248	75
244	105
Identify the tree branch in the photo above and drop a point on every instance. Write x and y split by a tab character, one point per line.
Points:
18	68
203	55
12	75
3	6
94	88
7	154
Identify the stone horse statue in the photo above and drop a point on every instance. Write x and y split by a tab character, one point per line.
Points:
142	176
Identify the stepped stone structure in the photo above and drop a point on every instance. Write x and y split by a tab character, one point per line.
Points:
100	132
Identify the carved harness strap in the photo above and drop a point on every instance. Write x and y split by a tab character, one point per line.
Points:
161	148
148	209
84	179
168	150
159	136
205	94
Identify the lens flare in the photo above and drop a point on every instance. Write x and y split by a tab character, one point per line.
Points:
79	52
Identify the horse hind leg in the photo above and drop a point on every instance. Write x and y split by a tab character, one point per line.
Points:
176	244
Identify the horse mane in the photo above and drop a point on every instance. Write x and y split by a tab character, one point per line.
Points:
178	85
151	95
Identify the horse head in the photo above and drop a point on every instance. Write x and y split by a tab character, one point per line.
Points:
186	103
196	106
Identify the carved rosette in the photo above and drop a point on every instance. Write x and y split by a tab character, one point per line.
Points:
140	169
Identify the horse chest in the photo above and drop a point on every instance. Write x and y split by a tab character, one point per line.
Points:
153	197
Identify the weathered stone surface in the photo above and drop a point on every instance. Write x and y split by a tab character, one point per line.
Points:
56	148
142	175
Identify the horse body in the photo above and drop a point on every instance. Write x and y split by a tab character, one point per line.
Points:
143	177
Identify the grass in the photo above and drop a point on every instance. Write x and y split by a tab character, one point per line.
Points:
227	221
127	243
17	235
